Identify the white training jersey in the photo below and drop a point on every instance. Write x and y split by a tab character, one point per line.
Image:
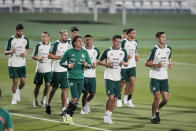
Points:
115	57
42	50
58	48
131	48
157	55
20	44
94	56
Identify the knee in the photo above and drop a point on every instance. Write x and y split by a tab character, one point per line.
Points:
165	100
156	100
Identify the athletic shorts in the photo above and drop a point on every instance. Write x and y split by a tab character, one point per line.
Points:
159	85
76	87
59	79
39	77
126	73
89	85
112	87
17	72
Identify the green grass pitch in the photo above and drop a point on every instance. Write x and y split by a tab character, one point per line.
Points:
178	114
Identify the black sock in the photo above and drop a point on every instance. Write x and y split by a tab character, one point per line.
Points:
71	108
129	96
119	97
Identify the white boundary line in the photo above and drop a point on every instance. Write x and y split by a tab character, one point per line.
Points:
44	119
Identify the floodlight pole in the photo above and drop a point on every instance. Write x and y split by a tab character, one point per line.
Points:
124	18
95	10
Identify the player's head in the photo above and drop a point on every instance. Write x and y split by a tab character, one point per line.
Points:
161	38
74	31
88	40
77	41
63	34
131	33
124	33
116	40
19	30
45	37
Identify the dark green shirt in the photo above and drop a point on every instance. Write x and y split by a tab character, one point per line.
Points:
76	57
5	119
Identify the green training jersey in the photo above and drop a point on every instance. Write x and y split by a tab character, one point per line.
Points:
76	57
5	119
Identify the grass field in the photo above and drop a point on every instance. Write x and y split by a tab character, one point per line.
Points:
180	112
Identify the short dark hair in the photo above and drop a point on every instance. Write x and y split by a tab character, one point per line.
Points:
158	34
88	36
19	27
74	28
130	30
125	30
74	39
116	37
46	33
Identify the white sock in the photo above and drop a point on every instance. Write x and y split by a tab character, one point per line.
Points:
125	97
44	98
108	113
157	111
13	96
153	117
64	108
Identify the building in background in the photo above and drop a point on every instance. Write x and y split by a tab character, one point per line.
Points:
107	6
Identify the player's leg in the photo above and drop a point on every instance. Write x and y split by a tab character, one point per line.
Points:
126	92
123	80
38	81
47	79
14	86
85	96
165	97
155	88
64	94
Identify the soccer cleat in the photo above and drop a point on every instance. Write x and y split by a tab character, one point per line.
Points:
87	108
158	117
64	113
43	103
130	104
18	99
119	103
83	111
107	119
35	103
68	120
48	109
154	121
13	102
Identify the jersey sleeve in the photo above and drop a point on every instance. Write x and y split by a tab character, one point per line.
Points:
63	60
104	55
35	51
27	45
8	46
123	44
125	57
151	54
98	53
53	48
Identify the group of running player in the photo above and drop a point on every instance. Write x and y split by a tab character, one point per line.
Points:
68	65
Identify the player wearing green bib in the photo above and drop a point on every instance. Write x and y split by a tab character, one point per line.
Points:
43	68
75	59
159	59
114	58
17	48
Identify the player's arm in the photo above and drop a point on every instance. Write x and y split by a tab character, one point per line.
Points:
104	56
52	52
8	49
27	50
170	64
125	59
35	53
94	65
63	60
136	56
149	60
10	129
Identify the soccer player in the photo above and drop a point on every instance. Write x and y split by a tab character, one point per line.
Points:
89	75
126	92
129	72
17	48
114	58
59	74
5	119
77	58
43	68
159	59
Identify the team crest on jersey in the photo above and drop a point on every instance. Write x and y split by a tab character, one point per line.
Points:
83	55
111	54
120	54
167	52
154	88
108	91
71	83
